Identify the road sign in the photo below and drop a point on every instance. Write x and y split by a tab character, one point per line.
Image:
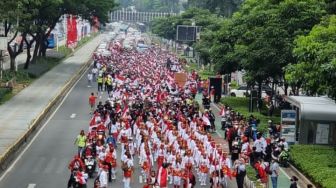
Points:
187	33
3	43
288	125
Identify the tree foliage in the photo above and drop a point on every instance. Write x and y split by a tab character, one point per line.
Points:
223	7
157	5
37	18
316	54
261	34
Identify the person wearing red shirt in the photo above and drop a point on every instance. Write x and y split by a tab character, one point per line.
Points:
92	102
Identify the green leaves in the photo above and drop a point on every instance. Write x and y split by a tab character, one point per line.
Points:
316	54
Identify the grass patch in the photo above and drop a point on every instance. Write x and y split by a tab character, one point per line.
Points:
240	104
41	66
204	74
64	50
316	162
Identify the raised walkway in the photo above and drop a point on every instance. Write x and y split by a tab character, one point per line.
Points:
20	116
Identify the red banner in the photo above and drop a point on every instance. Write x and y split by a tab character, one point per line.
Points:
71	31
74	29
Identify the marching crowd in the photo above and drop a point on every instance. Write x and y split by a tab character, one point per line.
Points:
150	120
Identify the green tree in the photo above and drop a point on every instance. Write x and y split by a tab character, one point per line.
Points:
17	19
266	30
223	7
222	49
316	54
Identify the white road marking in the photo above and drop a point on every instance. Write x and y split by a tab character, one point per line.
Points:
31	185
43	126
39	165
62	166
73	116
51	165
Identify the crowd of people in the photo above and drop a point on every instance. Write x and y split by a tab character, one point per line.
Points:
150	120
265	153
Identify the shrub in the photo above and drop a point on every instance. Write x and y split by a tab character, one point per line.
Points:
4	92
316	162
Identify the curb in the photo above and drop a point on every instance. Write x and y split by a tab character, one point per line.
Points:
301	175
7	158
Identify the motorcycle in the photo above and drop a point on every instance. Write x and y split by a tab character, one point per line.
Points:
90	166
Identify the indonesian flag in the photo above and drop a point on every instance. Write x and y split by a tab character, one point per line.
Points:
94	119
107	121
222	112
118	109
120	79
125	110
80	178
163	177
206	120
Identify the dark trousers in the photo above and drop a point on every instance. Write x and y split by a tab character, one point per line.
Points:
240	181
100	87
230	145
109	172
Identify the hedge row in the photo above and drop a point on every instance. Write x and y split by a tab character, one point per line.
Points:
316	162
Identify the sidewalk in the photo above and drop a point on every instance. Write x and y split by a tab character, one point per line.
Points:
18	115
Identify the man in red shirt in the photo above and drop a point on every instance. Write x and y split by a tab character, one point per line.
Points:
92	102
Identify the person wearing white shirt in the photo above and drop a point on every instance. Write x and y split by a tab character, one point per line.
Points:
103	177
128	172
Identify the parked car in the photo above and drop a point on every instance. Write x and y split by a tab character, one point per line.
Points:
244	91
241	91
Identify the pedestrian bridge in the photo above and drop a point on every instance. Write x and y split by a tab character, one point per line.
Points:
134	16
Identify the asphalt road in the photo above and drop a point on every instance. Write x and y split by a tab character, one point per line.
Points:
44	163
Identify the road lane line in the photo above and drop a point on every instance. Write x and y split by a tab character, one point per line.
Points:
51	165
39	165
31	185
63	165
73	116
40	130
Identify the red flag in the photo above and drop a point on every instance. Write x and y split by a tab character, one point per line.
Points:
118	109
222	112
162	177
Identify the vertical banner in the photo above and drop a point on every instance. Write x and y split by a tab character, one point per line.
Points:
69	31
71	41
74	30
